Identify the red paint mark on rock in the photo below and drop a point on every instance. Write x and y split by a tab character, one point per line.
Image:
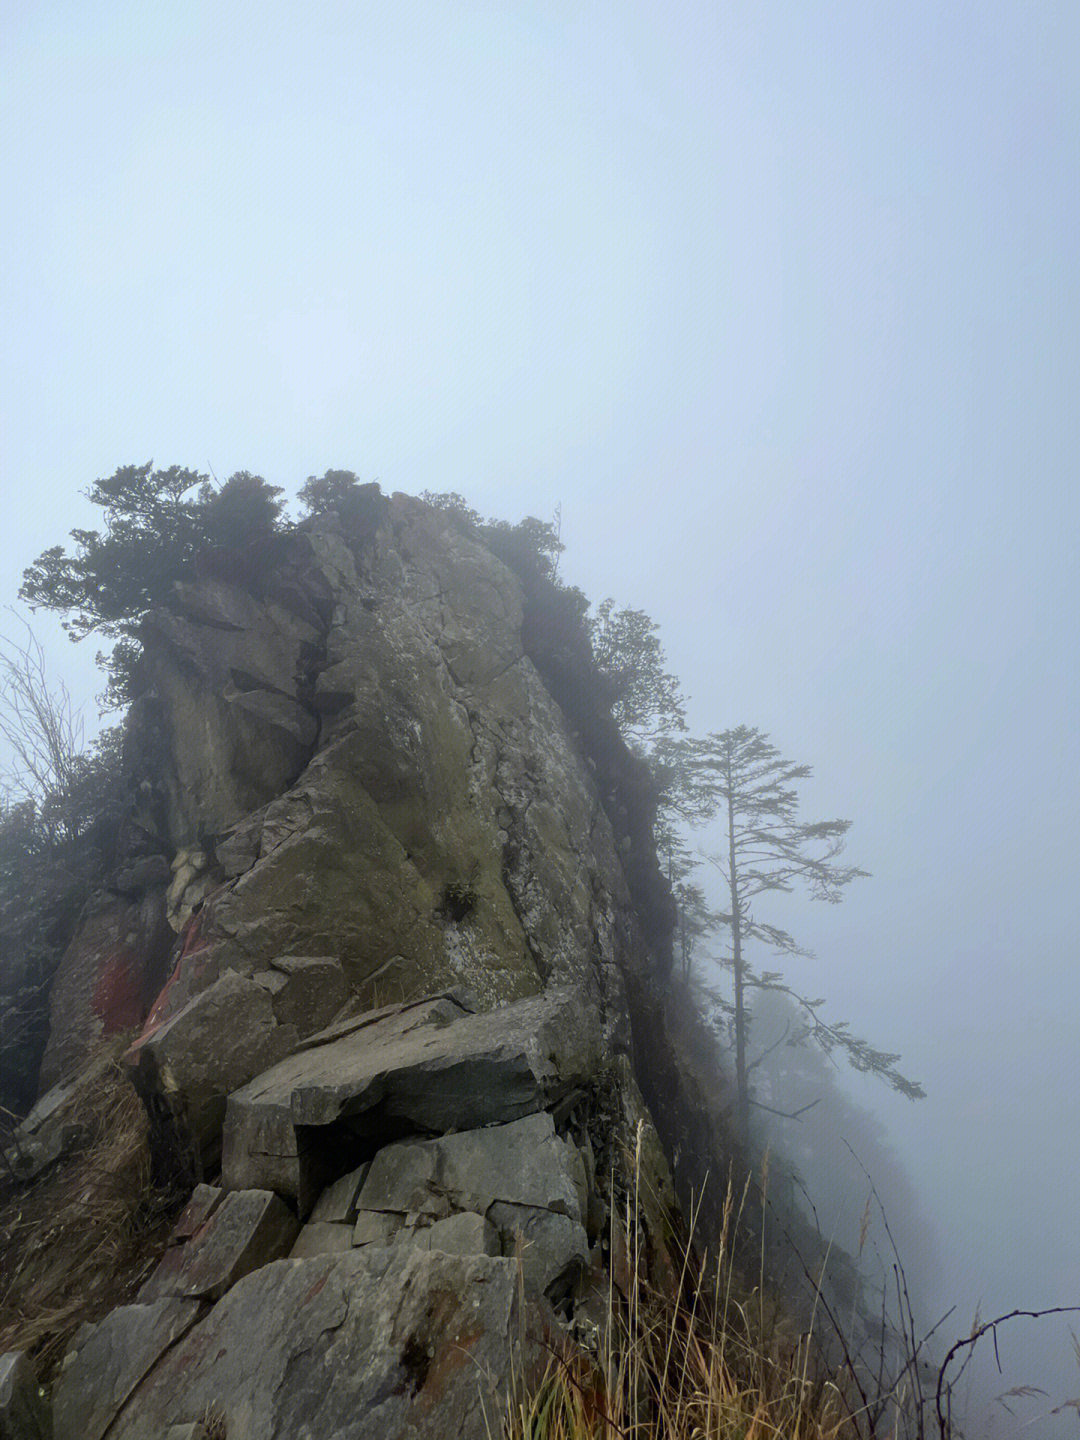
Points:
314	1289
192	939
191	973
116	1000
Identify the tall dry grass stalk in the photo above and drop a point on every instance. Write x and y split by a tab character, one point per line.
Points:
76	1242
697	1360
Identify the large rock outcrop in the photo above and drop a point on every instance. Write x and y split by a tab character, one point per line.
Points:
365	762
407	876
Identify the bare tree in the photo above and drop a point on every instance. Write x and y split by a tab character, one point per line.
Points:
38	722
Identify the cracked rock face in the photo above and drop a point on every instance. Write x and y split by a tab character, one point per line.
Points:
444	830
376	1344
356	758
431	1067
520	1182
361	761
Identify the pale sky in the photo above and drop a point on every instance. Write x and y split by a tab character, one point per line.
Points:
779	301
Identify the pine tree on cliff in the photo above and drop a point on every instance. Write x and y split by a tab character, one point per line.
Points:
740	778
155	529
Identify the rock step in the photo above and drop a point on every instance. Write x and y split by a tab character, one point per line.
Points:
428	1068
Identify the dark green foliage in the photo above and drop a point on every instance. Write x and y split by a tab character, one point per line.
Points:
60	807
455	505
695	921
531	547
556	636
121	669
155	533
152	530
646	700
459	900
336	490
359	507
684	797
244	510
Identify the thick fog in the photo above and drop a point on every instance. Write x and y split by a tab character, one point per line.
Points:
779	303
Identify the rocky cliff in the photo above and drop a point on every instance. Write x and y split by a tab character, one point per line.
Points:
387	915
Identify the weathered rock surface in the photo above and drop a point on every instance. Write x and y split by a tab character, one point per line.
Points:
337	1203
53	1127
223	1037
465	1234
204	1201
320	1237
108	978
388	858
430	1067
441	768
379	1344
23	1413
523	1163
348	752
230	669
227	1033
306	991
111	1361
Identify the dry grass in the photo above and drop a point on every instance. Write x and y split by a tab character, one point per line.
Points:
77	1241
214	1424
692	1361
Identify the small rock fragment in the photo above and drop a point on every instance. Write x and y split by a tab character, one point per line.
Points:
204	1201
249	1229
375	1228
465	1234
337	1203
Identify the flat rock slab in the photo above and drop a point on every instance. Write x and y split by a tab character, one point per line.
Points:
464	1234
379	1344
459	1235
23	1413
430	1067
374	1228
113	1358
248	1229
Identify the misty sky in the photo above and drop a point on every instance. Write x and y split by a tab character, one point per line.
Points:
779	301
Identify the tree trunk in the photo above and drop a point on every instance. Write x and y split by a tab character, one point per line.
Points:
741	1082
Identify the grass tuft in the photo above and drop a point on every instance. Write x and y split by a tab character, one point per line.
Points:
694	1360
